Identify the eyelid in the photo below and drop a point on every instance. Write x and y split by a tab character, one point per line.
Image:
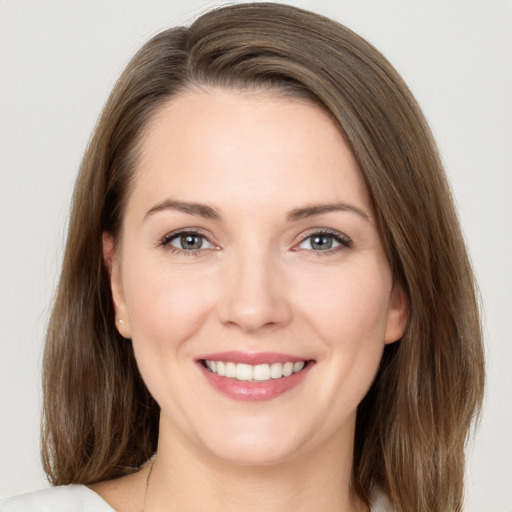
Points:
165	240
343	240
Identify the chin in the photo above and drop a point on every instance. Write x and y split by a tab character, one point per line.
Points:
256	455
253	447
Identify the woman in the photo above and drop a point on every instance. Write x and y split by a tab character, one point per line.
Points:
265	301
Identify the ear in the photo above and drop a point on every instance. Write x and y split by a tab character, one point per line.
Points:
398	314
112	264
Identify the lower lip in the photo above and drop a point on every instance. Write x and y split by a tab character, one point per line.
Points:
247	391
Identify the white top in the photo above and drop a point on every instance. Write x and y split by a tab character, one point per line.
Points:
79	498
64	498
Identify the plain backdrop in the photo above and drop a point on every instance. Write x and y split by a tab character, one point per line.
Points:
58	61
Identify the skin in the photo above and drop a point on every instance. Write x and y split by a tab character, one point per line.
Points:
256	285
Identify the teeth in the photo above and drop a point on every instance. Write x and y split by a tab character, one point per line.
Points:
221	369
297	367
231	370
276	370
243	372
287	369
259	372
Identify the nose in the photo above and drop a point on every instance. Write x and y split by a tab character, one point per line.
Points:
254	295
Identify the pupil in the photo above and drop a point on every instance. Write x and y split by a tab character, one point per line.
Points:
321	242
191	241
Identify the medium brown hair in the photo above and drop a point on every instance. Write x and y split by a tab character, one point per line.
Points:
100	421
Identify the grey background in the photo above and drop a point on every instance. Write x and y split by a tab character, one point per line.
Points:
58	61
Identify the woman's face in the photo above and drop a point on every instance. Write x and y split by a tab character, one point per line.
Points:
251	277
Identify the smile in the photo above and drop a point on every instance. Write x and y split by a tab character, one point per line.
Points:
254	377
253	373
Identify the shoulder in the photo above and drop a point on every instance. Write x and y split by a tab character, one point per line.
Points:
66	498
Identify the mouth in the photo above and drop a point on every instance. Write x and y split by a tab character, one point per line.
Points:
253	373
253	377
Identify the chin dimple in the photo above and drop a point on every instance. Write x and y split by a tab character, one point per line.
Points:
253	373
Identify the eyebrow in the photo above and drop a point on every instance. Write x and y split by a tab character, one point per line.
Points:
311	211
207	212
201	210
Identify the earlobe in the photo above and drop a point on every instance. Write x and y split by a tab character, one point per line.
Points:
398	314
112	265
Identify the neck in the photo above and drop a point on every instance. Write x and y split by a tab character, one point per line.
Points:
186	478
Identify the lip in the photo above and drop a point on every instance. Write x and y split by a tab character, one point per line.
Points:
248	391
251	358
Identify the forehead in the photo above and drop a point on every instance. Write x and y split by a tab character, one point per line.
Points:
219	145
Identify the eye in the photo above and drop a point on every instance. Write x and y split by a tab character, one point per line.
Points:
187	241
324	241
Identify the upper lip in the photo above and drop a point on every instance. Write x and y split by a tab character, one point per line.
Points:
252	358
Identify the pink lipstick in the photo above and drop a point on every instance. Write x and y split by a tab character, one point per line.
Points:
253	376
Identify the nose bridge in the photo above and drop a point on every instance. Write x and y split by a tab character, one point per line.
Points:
254	296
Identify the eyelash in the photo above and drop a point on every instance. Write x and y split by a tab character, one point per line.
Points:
165	242
343	240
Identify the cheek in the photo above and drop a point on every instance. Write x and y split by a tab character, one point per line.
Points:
348	306
350	318
166	305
